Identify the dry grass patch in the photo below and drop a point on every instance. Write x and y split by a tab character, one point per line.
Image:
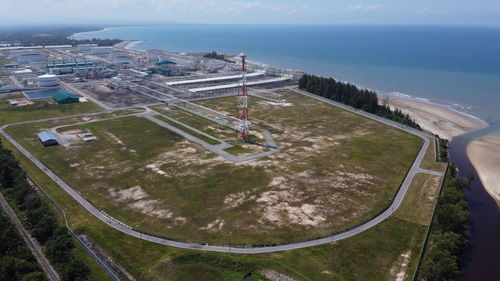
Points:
336	170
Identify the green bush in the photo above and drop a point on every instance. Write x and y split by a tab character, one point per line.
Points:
353	96
40	221
447	241
16	261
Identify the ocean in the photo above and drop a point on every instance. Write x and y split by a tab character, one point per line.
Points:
458	67
449	65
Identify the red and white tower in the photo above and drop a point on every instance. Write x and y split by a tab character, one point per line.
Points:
242	103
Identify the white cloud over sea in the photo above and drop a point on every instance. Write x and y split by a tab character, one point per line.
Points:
250	11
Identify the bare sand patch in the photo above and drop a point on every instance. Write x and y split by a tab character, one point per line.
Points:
150	207
277	104
133	193
276	208
156	169
138	200
399	270
216	225
236	199
274	275
115	138
183	159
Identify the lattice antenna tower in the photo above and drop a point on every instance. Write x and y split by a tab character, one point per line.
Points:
242	103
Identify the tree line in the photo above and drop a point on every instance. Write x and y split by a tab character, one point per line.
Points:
447	240
214	55
443	149
351	95
43	36
39	219
16	260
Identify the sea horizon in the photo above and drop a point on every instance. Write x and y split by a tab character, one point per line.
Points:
413	70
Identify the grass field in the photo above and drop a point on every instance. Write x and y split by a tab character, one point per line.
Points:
197	122
187	130
429	161
5	60
424	191
377	254
43	108
336	170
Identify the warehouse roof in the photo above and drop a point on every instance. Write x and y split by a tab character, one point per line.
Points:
63	96
165	62
46	136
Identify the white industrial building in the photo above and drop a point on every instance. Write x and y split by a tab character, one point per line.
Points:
154	55
122	60
118	53
101	50
86	47
31	57
48	80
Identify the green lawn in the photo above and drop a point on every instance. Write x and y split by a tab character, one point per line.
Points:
429	161
197	122
187	130
43	108
423	191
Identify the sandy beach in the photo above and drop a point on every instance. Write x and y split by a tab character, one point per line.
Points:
125	44
437	119
484	153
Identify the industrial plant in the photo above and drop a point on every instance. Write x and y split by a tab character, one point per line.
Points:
119	77
204	151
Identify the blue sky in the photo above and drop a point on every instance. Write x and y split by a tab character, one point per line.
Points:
462	12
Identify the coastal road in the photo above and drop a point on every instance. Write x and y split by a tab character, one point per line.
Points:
397	200
30	242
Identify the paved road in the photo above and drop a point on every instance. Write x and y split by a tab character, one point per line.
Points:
415	168
30	242
215	148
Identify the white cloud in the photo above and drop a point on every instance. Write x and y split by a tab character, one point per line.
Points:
363	7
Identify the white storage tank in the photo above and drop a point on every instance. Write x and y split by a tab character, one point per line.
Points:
48	80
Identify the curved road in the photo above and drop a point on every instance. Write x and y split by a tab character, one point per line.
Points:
415	169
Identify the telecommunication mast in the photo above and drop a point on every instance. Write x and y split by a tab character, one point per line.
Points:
242	103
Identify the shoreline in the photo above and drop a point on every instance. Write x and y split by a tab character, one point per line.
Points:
132	44
484	156
126	44
449	123
75	35
436	118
